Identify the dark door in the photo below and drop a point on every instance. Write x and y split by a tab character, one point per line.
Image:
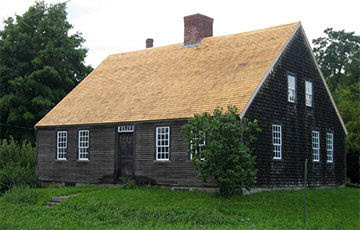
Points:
125	155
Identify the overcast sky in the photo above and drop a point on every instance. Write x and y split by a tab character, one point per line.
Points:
115	26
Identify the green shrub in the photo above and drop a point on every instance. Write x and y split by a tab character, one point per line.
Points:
17	164
220	147
21	194
128	182
14	174
12	151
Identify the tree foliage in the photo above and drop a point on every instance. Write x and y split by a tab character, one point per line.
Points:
226	155
338	55
348	100
40	62
335	53
17	164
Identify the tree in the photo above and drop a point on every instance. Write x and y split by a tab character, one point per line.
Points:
348	100
334	53
219	146
39	64
17	164
338	55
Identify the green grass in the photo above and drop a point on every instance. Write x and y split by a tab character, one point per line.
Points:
153	208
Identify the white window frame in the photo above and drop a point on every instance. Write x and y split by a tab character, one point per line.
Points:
291	89
330	147
308	93
61	145
277	141
83	145
163	143
315	136
200	146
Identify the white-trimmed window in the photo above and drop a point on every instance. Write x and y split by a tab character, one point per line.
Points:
83	145
162	143
291	88
277	141
316	145
61	145
200	147
308	93
330	147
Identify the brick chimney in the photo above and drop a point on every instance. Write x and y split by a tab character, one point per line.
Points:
197	27
149	43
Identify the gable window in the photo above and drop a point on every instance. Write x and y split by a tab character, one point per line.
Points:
162	143
200	146
291	88
316	145
277	141
308	93
330	147
83	145
61	144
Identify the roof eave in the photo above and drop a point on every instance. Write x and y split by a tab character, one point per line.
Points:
243	112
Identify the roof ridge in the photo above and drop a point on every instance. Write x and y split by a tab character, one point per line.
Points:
259	30
209	38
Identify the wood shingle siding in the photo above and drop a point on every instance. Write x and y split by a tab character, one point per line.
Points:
99	167
178	170
271	106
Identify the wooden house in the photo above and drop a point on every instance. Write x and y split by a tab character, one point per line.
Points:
125	118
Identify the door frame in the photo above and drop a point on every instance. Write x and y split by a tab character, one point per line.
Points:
117	164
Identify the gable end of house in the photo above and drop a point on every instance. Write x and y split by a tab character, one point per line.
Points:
299	29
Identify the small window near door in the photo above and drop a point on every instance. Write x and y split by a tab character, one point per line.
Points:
83	145
61	144
162	143
201	145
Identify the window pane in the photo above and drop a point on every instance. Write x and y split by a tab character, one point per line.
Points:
329	147
291	82
316	145
162	140
83	144
276	134
61	144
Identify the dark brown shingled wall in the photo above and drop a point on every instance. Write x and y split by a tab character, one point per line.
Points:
270	106
100	167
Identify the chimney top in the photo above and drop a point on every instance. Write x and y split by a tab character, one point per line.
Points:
149	43
197	27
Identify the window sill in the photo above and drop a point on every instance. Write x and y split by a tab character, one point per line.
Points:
329	162
61	160
83	160
162	161
277	159
316	161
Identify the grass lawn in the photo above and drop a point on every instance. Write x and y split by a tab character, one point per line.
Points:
154	208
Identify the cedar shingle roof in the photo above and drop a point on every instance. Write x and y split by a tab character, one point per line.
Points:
173	82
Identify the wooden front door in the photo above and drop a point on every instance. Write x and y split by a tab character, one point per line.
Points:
125	155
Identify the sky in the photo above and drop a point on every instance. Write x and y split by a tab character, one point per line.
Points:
116	26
